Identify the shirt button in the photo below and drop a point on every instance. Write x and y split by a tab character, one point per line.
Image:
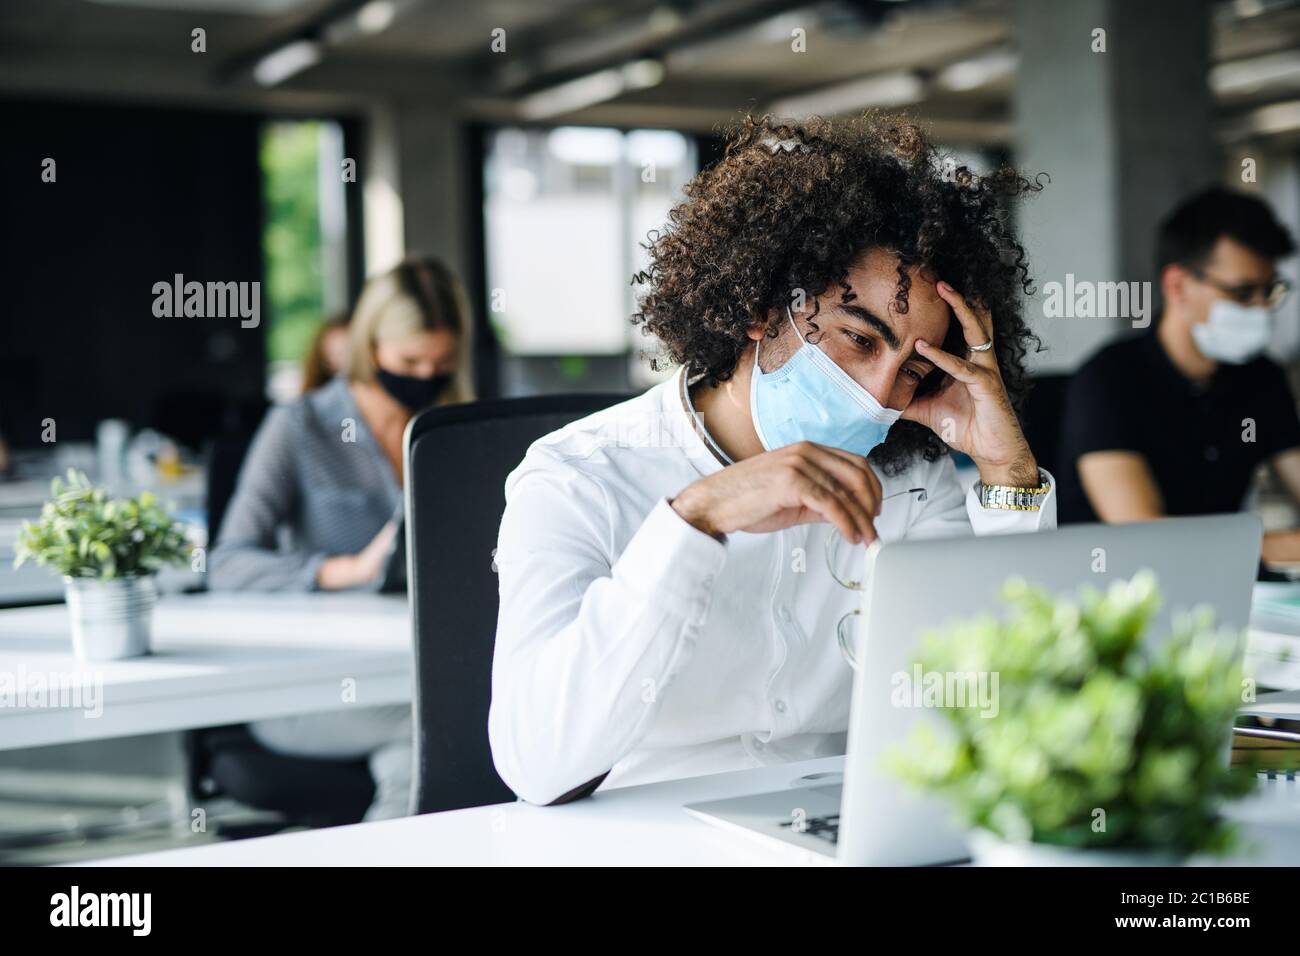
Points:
785	614
707	581
758	745
780	706
1211	453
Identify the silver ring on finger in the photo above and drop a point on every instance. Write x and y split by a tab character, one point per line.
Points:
980	348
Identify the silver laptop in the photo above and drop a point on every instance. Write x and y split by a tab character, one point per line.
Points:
870	817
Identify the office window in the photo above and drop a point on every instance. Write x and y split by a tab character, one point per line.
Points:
565	213
303	241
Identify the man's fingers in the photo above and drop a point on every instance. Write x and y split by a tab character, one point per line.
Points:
960	369
856	508
840	510
857	461
855	473
820	501
976	327
832	499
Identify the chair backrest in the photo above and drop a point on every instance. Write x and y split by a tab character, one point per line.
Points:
457	460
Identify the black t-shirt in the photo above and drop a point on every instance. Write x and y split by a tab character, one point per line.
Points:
1197	439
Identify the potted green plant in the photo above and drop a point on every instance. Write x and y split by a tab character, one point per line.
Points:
1106	747
108	551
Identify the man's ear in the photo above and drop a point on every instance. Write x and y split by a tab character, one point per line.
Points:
1173	284
758	328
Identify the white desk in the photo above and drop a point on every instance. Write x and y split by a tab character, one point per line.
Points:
218	659
638	826
278	644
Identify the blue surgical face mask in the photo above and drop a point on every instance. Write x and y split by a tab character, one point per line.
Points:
810	398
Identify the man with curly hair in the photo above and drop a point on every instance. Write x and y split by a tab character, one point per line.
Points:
844	308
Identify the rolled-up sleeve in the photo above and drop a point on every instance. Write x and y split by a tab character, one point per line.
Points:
247	556
587	644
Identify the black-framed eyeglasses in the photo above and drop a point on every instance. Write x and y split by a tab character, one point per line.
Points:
1273	292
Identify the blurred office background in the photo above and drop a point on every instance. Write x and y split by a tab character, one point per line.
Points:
307	144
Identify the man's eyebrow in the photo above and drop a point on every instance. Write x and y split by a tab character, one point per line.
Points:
877	323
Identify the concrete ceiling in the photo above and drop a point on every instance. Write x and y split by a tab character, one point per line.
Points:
718	56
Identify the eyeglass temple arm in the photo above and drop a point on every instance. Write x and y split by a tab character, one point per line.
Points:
920	492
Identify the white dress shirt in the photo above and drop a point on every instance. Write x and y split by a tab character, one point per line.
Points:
629	641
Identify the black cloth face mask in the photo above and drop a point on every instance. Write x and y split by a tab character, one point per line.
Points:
413	392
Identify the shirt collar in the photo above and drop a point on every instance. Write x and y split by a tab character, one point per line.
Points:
689	431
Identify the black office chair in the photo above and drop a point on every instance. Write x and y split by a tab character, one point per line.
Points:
229	762
302	791
457	459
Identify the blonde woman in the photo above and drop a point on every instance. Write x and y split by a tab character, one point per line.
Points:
318	497
326	471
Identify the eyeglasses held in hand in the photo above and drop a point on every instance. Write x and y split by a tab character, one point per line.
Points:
833	541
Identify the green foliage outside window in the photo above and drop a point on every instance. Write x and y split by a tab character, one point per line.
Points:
291	238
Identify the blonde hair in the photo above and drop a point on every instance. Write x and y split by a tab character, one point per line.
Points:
417	295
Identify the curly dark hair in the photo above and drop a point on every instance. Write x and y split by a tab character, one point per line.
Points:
793	205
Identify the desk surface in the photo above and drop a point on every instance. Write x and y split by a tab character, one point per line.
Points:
217	659
233	658
637	826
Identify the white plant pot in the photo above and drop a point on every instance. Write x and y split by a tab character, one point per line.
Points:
111	619
988	849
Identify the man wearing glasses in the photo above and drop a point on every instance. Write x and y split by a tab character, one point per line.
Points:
1177	420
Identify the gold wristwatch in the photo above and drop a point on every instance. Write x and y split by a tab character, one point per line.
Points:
1011	498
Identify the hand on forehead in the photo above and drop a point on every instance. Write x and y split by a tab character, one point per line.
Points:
873	279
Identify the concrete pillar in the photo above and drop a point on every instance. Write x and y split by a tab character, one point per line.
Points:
385	229
433	172
416	186
1123	134
418	189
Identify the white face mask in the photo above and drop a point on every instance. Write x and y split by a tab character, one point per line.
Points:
1234	333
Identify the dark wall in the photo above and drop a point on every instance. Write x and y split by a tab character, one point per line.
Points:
141	194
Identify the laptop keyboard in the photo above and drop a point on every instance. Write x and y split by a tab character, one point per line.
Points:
824	828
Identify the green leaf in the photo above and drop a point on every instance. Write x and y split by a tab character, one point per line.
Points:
82	532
